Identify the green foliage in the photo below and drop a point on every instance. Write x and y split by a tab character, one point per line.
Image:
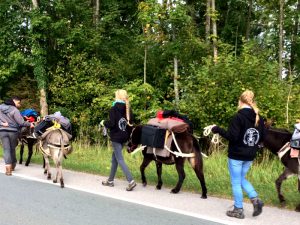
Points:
211	93
81	63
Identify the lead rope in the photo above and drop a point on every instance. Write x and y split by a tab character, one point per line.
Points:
215	138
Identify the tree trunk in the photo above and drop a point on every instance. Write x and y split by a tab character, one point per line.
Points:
43	102
207	20
145	64
214	27
280	52
39	74
96	12
176	89
35	4
248	28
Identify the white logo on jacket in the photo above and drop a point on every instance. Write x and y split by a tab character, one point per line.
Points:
251	137
122	124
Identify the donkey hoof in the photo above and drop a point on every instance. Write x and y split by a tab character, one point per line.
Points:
158	187
26	164
297	208
282	203
144	184
204	196
62	185
55	181
49	177
174	191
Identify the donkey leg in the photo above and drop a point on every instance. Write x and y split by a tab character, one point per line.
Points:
21	153
197	165
62	185
30	151
297	208
47	168
143	166
286	173
181	174
159	172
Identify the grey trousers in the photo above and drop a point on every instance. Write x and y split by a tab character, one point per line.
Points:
9	141
117	159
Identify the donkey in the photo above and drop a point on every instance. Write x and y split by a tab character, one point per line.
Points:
187	143
24	139
55	144
274	140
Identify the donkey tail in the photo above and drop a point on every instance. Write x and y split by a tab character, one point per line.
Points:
197	146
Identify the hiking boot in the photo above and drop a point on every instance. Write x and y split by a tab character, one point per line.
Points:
257	206
236	212
13	166
108	183
131	185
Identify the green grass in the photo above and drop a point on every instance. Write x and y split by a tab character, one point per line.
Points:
96	160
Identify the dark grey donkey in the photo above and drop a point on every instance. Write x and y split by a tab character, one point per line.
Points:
26	139
55	144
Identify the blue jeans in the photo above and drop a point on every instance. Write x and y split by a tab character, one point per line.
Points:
238	171
117	159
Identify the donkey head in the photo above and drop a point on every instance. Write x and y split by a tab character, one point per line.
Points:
134	139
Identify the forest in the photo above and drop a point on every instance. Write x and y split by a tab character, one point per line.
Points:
193	56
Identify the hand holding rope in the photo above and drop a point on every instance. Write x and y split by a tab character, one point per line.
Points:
215	138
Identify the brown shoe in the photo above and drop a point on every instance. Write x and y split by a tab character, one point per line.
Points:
8	170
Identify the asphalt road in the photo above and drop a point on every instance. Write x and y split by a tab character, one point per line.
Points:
26	202
29	198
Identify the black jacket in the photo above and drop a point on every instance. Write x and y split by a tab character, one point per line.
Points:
242	135
117	123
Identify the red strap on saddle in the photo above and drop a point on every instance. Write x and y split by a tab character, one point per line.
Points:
30	119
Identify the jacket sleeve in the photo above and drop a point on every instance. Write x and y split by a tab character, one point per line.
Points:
111	123
19	119
232	133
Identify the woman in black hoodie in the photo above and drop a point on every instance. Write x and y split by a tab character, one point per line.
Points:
119	124
244	134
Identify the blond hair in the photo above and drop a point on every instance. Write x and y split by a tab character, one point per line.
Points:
247	97
123	96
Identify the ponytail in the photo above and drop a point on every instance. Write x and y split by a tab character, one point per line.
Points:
247	97
123	96
128	112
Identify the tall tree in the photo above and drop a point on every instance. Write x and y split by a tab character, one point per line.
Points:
207	20
39	68
248	29
280	51
214	29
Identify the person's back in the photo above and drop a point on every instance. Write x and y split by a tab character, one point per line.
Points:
295	140
10	114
